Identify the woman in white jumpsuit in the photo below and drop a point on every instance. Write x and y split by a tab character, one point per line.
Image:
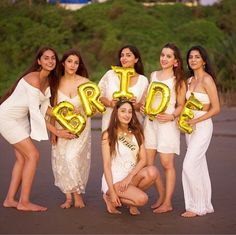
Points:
195	176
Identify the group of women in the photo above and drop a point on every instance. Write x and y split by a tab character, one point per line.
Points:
130	141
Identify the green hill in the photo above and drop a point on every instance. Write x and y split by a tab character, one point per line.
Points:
99	30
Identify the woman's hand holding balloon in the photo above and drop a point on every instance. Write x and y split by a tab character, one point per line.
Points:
165	117
63	133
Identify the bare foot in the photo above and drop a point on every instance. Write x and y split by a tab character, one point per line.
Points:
67	204
157	204
189	214
10	203
134	210
110	208
79	203
28	206
163	209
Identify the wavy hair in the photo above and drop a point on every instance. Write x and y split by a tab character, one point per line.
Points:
33	68
178	70
205	57
82	71
134	125
139	68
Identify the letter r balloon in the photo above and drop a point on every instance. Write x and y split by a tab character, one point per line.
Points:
89	94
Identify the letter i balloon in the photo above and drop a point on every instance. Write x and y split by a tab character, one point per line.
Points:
124	75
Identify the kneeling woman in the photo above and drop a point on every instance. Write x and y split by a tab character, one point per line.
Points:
124	159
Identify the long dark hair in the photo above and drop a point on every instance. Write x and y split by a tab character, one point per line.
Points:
179	69
33	68
82	71
139	65
205	57
134	126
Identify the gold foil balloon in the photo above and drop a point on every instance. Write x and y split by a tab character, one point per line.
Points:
124	75
192	104
64	113
185	115
155	89
89	94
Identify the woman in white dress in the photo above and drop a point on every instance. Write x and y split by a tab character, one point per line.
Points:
71	157
128	57
162	134
195	175
126	175
19	105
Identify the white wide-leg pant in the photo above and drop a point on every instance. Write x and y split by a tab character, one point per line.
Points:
195	176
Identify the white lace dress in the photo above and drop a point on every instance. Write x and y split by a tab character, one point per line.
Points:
110	83
71	158
22	114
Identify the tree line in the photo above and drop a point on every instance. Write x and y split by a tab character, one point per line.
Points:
99	30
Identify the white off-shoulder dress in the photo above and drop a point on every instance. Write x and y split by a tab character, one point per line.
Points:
124	160
195	176
110	83
163	136
71	158
22	113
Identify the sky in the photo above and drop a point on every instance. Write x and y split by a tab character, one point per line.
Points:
208	2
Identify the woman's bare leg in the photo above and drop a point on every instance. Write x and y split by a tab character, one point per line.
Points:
189	214
110	208
133	197
151	157
133	210
167	161
145	178
78	201
15	181
31	155
68	202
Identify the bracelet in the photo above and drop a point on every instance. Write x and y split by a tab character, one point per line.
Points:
173	117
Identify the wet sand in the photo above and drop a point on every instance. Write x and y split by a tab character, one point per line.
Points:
93	219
